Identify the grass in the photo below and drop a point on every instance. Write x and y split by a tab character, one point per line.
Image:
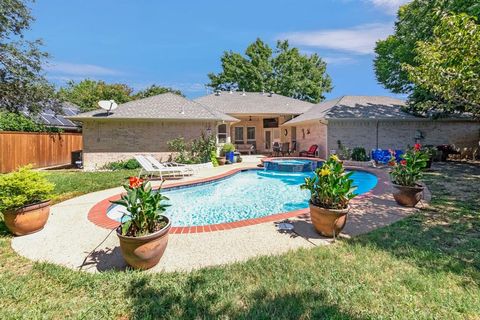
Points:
426	266
73	183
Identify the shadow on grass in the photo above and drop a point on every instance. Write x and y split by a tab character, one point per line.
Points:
195	299
4	230
445	237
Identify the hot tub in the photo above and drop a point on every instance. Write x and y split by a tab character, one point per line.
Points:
291	164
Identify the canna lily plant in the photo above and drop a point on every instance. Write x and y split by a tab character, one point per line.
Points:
145	208
330	187
408	171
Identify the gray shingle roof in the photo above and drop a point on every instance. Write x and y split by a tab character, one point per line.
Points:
236	103
356	107
167	106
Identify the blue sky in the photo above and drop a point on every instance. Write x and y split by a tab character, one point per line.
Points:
177	43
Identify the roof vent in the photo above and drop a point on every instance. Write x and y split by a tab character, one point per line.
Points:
243	93
270	94
217	92
231	91
263	92
183	110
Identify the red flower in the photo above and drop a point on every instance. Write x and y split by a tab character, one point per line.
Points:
135	182
391	163
403	162
417	146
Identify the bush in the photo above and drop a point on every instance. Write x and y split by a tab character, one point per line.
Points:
228	147
359	154
198	151
10	121
23	187
409	170
122	165
213	158
330	187
344	153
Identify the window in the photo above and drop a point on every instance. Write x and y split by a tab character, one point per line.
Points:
239	135
222	133
250	134
270	123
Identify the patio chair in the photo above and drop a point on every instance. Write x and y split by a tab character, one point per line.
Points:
285	148
182	169
310	152
294	148
151	169
276	149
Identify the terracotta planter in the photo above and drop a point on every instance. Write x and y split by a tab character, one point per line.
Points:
221	161
28	219
407	196
144	252
328	222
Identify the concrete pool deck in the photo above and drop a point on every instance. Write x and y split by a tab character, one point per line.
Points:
71	240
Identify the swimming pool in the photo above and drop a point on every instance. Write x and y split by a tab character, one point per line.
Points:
245	195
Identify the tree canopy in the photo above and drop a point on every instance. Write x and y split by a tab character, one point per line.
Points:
448	66
87	93
21	81
416	22
283	70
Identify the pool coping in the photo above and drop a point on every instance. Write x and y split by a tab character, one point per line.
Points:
97	214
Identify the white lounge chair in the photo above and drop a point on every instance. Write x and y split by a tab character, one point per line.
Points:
175	167
151	169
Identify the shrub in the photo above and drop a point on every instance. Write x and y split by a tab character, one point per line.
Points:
10	121
197	151
144	207
330	187
344	153
359	154
129	164
228	147
408	171
23	187
213	158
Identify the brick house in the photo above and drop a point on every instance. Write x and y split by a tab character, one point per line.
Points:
144	126
376	122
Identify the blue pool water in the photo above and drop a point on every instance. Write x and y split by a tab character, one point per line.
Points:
245	195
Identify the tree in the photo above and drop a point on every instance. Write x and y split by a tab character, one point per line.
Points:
415	22
154	90
284	70
87	93
22	84
448	66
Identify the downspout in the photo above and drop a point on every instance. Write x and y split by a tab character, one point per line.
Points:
376	140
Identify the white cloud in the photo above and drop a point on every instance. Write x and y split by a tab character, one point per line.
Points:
338	60
84	70
389	6
360	39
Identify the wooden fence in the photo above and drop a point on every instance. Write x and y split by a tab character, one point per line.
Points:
40	149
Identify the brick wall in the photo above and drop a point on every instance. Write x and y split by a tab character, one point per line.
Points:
107	141
400	134
310	133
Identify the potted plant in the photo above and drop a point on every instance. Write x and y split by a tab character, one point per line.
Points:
405	175
331	190
24	200
229	150
143	233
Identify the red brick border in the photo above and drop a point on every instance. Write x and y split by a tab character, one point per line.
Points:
98	216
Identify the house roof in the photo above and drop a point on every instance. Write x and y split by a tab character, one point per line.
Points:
356	107
237	103
166	106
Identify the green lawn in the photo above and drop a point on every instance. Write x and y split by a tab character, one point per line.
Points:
72	183
424	267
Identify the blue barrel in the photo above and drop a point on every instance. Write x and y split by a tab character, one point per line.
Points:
229	156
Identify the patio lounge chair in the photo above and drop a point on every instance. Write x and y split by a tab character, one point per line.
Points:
175	167
161	171
310	152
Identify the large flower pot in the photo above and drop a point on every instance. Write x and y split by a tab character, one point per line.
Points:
144	252
221	161
407	196
28	219
328	222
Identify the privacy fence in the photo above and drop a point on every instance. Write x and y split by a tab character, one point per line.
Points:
40	149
